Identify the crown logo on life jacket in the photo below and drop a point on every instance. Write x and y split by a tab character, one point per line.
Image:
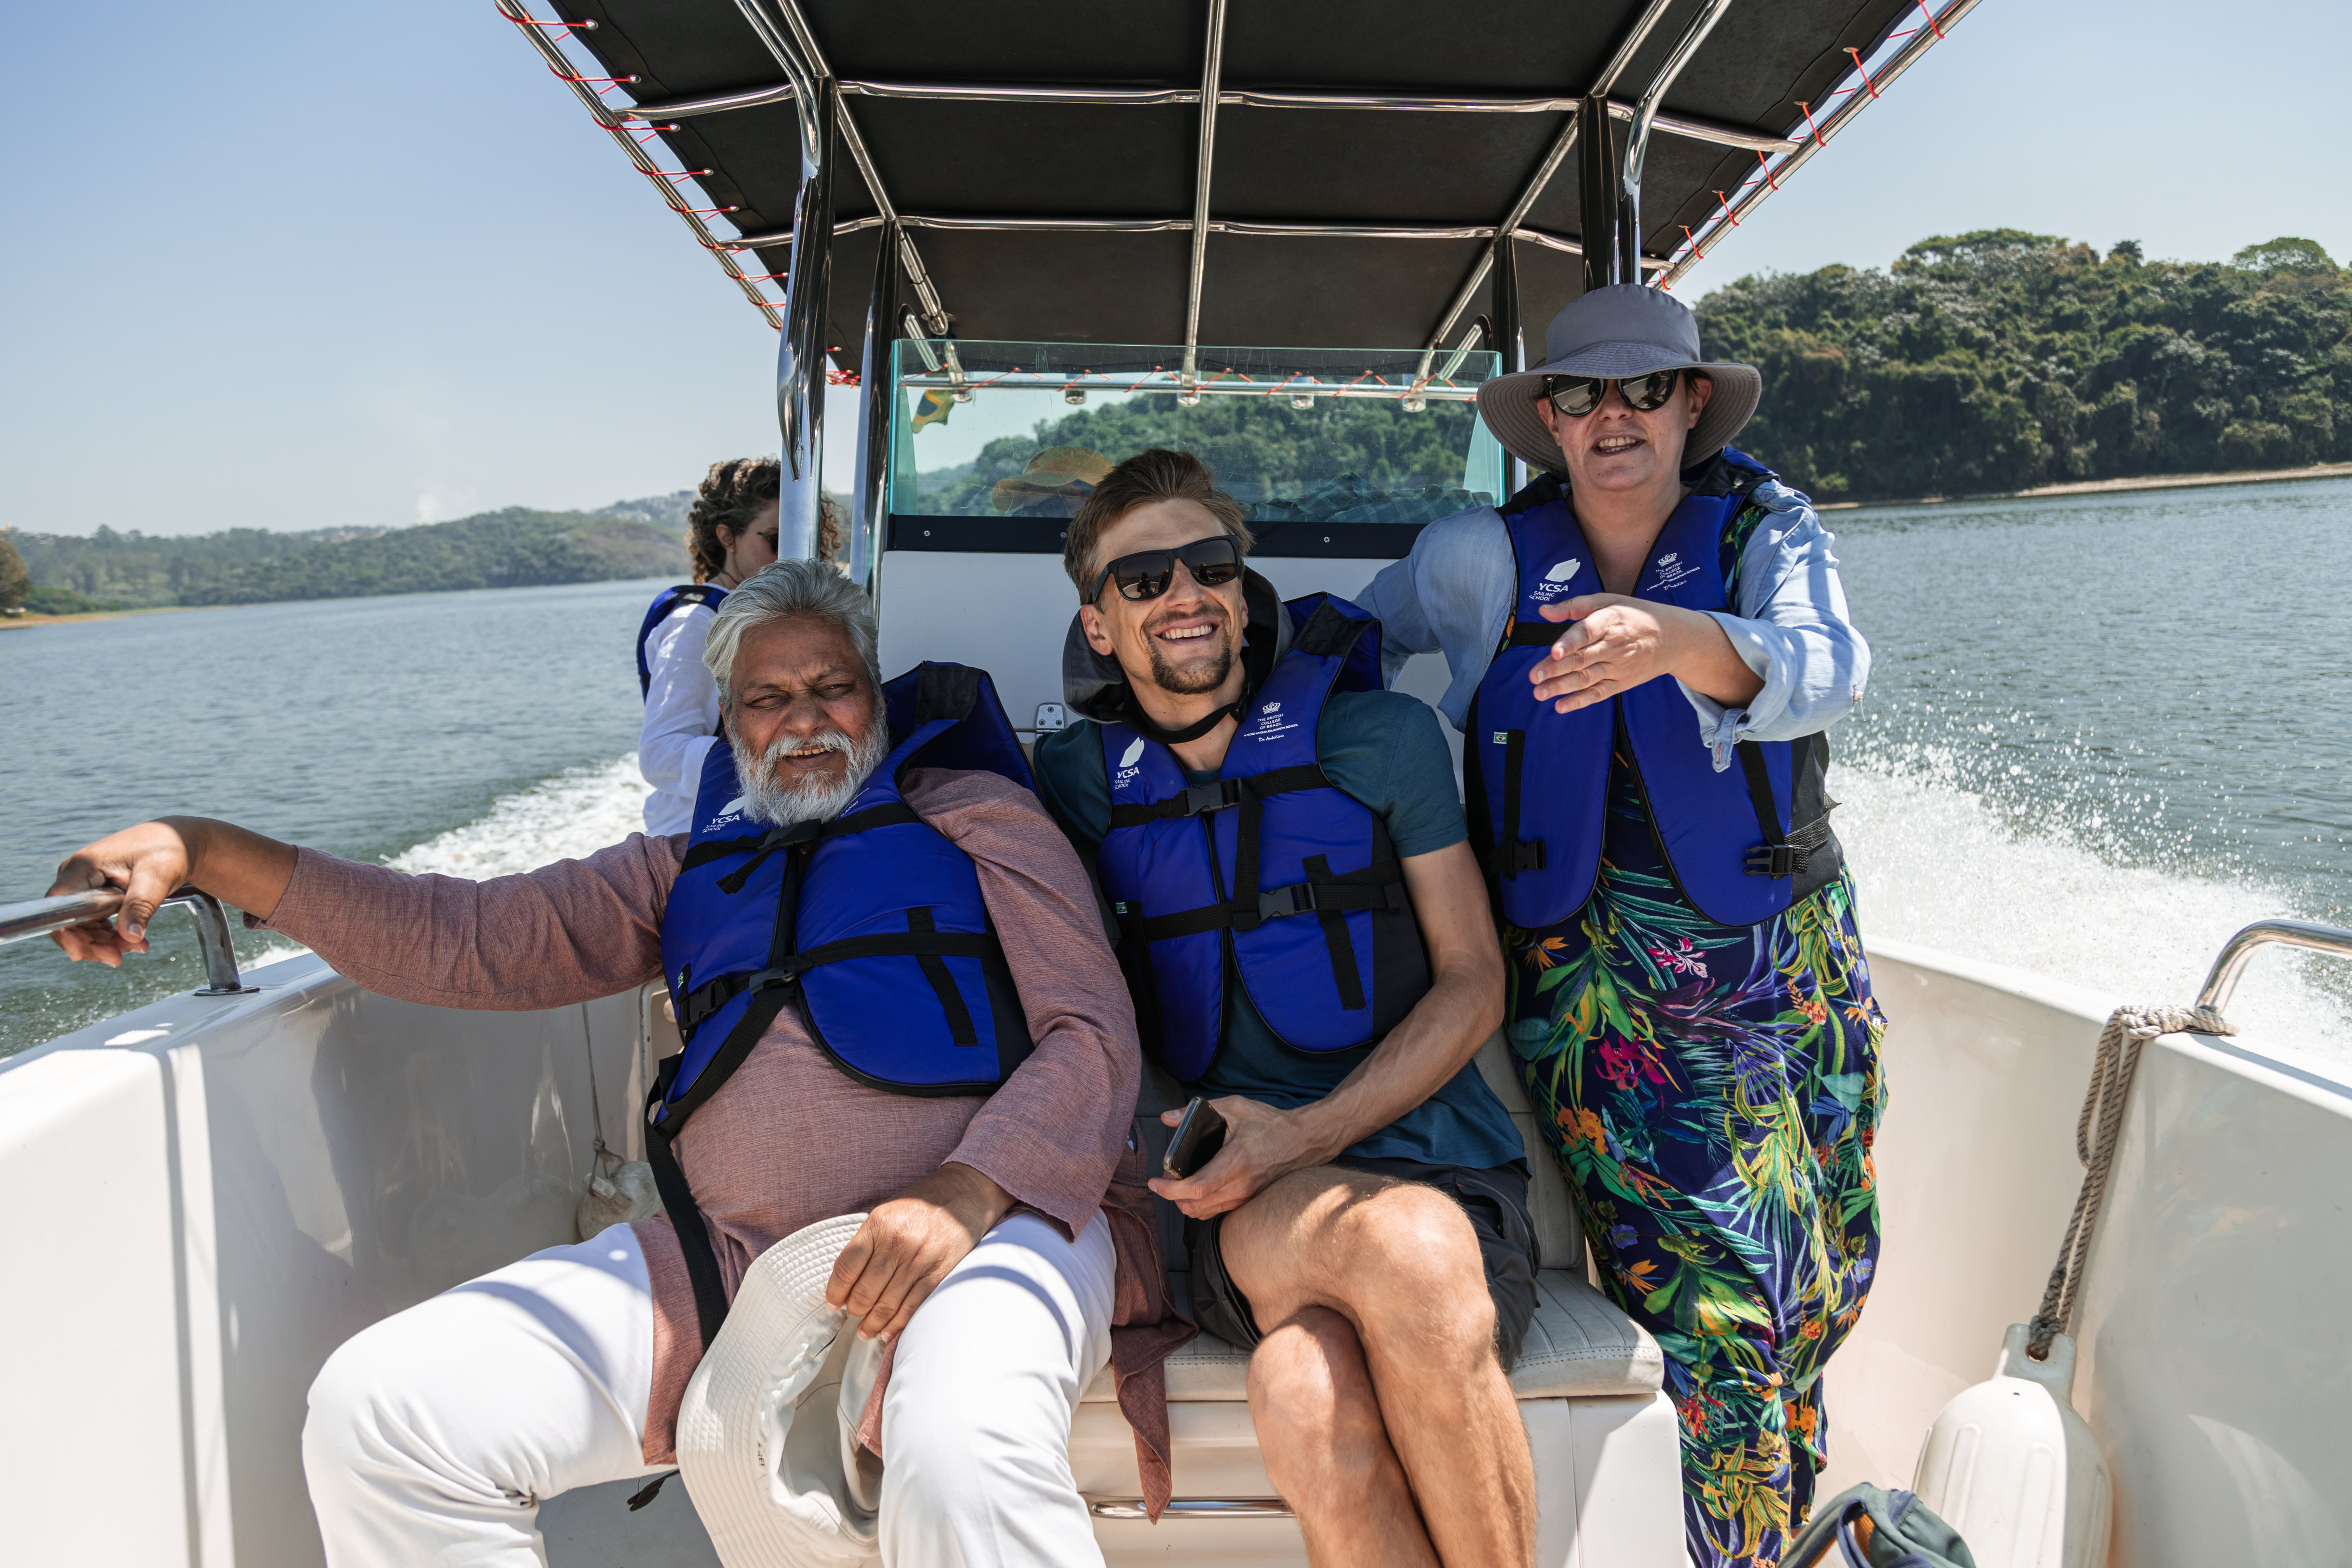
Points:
1563	571
1669	558
1271	707
1134	750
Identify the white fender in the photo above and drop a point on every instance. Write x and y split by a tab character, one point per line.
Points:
2012	1466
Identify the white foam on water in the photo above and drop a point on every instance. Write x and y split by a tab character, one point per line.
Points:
565	817
1940	864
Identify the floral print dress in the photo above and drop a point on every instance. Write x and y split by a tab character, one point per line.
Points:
1713	1091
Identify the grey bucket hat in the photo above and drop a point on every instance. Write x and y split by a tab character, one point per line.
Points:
1625	329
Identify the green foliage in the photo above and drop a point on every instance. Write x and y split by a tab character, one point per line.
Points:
15	580
66	602
512	548
2001	360
1261	448
2285	254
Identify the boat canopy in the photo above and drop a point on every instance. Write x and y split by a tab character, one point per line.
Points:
1375	177
1312	174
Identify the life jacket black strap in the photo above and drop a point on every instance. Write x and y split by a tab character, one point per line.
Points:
1513	853
1221	795
920	941
935	970
759	845
1534	634
1381	893
1780	855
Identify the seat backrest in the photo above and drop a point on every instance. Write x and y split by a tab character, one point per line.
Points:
1559	1238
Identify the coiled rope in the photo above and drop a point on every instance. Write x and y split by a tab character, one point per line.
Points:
2127	1033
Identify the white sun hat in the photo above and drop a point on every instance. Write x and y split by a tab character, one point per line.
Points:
767	1438
1623	330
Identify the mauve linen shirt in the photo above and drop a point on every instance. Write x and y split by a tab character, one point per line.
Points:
790	1138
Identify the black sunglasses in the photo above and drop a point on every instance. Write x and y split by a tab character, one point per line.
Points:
1148	573
1577	395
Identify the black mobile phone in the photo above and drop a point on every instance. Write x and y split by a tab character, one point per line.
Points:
1198	1138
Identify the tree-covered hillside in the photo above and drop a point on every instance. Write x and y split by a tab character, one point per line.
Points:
510	548
2001	360
1261	448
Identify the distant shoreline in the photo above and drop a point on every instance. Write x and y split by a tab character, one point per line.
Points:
2110	487
34	618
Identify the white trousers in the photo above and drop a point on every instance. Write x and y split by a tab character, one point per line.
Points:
435	1434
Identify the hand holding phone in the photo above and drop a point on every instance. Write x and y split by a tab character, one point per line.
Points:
1198	1138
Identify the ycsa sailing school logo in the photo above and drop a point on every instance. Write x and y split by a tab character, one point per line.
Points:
1127	759
1556	580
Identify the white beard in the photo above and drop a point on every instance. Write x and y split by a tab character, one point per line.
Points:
782	804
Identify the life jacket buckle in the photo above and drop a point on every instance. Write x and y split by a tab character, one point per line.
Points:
1777	860
1218	794
1298	898
788	972
1522	855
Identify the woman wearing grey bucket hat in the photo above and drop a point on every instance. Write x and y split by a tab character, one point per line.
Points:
1648	643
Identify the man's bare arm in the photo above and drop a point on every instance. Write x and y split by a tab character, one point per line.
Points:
1464	1006
156	860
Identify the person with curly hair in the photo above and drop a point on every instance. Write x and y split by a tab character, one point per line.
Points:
730	533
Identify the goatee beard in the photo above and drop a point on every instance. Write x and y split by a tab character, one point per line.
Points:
1197	678
781	802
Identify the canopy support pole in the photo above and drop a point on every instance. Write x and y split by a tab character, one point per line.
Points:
1560	148
874	409
1211	71
800	355
1628	251
1600	205
1510	340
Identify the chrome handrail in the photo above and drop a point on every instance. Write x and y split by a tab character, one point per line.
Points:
39	917
2240	950
1194	1507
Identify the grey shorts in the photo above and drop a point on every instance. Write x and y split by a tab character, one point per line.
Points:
1497	1202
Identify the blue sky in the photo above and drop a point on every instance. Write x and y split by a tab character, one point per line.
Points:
294	266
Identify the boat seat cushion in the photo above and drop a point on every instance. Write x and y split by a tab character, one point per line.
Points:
1579	1346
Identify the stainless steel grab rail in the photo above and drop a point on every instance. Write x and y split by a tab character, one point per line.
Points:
1194	1508
39	917
2241	949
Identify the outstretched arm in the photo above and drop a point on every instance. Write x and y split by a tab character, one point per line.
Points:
156	860
1463	1005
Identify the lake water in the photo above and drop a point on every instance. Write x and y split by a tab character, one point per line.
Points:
2102	734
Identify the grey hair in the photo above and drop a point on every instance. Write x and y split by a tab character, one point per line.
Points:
781	591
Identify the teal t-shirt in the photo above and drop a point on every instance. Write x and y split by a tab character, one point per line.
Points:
1384	749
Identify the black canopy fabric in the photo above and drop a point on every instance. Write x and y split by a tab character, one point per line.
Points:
1415	168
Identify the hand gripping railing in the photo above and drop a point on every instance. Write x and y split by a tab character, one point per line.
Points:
39	917
2239	950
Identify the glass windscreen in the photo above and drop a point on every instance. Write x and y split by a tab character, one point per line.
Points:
1327	436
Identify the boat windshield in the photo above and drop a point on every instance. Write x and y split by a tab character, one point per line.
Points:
1008	431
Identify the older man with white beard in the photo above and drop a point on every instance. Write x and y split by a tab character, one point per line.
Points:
433	1434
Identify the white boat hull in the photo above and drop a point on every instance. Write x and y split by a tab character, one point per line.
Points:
208	1196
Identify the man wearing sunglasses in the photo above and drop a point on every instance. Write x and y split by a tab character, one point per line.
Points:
1647	645
1306	936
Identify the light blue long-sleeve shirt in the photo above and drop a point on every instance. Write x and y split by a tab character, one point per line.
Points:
1455	591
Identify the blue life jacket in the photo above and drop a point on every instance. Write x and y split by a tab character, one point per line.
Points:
665	604
871	925
1285	842
1538	780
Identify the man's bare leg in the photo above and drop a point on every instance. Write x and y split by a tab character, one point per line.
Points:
1326	1447
1400	1262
